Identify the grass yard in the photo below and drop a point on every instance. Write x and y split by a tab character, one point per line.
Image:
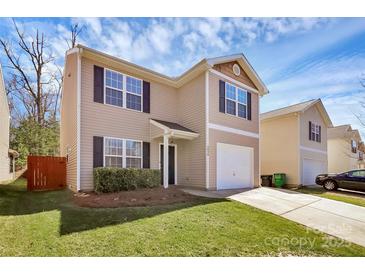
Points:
338	195
50	224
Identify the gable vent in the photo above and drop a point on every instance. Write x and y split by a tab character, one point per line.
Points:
236	70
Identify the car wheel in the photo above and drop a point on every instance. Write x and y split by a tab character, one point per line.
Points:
330	185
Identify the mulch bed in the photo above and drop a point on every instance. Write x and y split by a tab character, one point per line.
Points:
139	197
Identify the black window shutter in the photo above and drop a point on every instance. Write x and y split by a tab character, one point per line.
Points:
310	130
146	96
146	155
320	134
249	108
98	151
98	84
222	96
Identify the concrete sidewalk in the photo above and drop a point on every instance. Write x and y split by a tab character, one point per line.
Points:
339	219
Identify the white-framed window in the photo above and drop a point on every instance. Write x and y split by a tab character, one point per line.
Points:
133	154
113	152
353	146
113	88
122	90
123	153
315	132
134	93
236	101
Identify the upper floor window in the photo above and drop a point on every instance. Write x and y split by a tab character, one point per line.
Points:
314	132
122	153
236	101
113	88
122	90
353	146
134	93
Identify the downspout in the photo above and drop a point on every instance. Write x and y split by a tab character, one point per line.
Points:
78	184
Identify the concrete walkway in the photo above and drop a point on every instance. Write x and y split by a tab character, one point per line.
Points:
339	219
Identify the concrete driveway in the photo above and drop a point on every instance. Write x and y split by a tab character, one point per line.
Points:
339	219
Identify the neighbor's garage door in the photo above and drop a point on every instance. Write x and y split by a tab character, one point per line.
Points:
234	166
311	168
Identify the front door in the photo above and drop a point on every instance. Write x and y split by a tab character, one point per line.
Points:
171	164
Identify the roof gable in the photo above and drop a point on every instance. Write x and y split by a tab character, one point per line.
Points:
343	131
299	108
227	69
245	66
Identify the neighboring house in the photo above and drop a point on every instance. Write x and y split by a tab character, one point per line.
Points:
7	156
345	149
361	155
204	123
293	140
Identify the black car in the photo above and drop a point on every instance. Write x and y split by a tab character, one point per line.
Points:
354	180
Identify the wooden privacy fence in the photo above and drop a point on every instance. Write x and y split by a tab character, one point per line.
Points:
46	173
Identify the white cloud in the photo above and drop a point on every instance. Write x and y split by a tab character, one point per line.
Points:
92	23
191	41
160	37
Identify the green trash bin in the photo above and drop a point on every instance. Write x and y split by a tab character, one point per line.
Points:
279	179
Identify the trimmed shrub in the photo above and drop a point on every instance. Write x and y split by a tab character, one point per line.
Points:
110	179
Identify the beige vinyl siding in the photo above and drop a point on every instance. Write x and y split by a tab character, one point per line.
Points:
217	136
279	144
312	114
68	130
340	156
227	120
4	133
191	114
105	120
223	119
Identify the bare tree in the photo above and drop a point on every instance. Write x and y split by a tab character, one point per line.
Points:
75	32
361	116
31	81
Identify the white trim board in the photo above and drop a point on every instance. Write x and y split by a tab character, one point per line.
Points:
233	130
230	79
313	150
175	159
78	115
207	158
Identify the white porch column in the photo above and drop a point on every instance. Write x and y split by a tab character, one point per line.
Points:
166	161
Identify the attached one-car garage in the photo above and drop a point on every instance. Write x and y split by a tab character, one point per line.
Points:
311	168
234	166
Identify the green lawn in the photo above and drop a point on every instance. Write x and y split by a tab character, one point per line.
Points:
49	224
343	196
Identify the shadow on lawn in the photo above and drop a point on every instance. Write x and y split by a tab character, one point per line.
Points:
15	200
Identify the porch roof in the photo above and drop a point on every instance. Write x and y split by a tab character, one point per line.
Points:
174	129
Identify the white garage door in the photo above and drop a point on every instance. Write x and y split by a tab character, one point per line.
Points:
234	166
311	168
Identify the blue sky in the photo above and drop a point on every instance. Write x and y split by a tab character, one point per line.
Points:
298	58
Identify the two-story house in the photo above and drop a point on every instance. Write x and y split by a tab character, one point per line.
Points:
204	124
294	141
345	149
7	156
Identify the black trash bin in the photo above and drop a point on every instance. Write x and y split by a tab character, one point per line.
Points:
266	180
